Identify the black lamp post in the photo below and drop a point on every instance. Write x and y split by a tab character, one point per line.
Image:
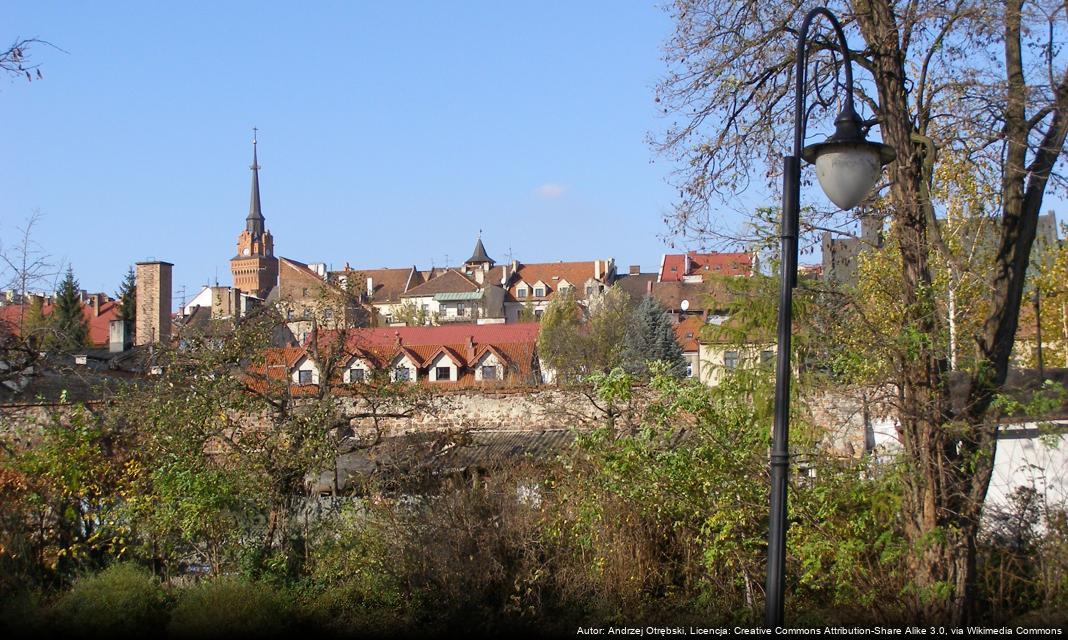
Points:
848	166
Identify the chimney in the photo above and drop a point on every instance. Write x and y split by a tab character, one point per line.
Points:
686	263
397	336
96	305
480	276
504	276
153	302
649	288
119	336
370	287
596	269
635	269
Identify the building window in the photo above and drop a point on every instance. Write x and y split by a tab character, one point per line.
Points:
539	292
389	319
426	308
289	314
461	310
443	373
767	357
730	360
538	313
689	369
521	293
306	312
489	372
402	374
563	290
304	376
328	314
357	375
589	289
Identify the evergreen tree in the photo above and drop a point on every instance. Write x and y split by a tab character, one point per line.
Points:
127	296
71	331
650	337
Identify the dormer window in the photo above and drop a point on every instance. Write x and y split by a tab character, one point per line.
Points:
539	292
521	292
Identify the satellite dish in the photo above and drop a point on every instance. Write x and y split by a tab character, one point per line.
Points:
684	305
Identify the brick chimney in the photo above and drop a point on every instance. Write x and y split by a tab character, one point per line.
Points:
96	305
635	269
153	302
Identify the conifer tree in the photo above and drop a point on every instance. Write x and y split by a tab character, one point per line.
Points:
70	329
127	296
651	337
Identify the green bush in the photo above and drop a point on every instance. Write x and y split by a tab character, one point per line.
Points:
123	599
229	607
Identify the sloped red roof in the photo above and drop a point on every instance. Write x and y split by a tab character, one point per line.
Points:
552	274
99	325
515	344
688	333
720	264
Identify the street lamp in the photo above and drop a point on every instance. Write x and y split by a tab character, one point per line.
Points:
848	166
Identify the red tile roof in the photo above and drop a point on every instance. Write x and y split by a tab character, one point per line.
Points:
688	333
99	325
552	274
515	344
674	266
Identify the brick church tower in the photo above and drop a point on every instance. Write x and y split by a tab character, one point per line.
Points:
255	269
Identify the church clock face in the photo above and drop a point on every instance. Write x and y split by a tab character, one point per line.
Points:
245	251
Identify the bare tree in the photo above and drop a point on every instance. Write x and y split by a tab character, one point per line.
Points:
983	83
26	265
15	61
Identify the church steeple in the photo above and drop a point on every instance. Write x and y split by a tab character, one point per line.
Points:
254	267
254	221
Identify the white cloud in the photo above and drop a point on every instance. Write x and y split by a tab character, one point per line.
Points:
550	190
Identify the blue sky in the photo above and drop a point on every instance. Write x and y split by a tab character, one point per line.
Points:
390	133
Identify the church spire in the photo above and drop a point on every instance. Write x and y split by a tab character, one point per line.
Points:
254	221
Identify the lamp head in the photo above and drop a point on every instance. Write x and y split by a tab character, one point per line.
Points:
847	164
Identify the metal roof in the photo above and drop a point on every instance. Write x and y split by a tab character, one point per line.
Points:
458	296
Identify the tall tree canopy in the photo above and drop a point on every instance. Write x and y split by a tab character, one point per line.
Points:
651	337
982	85
71	331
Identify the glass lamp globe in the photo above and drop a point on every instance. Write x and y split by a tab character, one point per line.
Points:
847	172
848	165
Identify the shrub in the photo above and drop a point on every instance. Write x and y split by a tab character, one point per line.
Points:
123	599
229	607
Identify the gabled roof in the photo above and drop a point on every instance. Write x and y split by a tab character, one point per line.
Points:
552	273
451	281
387	284
515	344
